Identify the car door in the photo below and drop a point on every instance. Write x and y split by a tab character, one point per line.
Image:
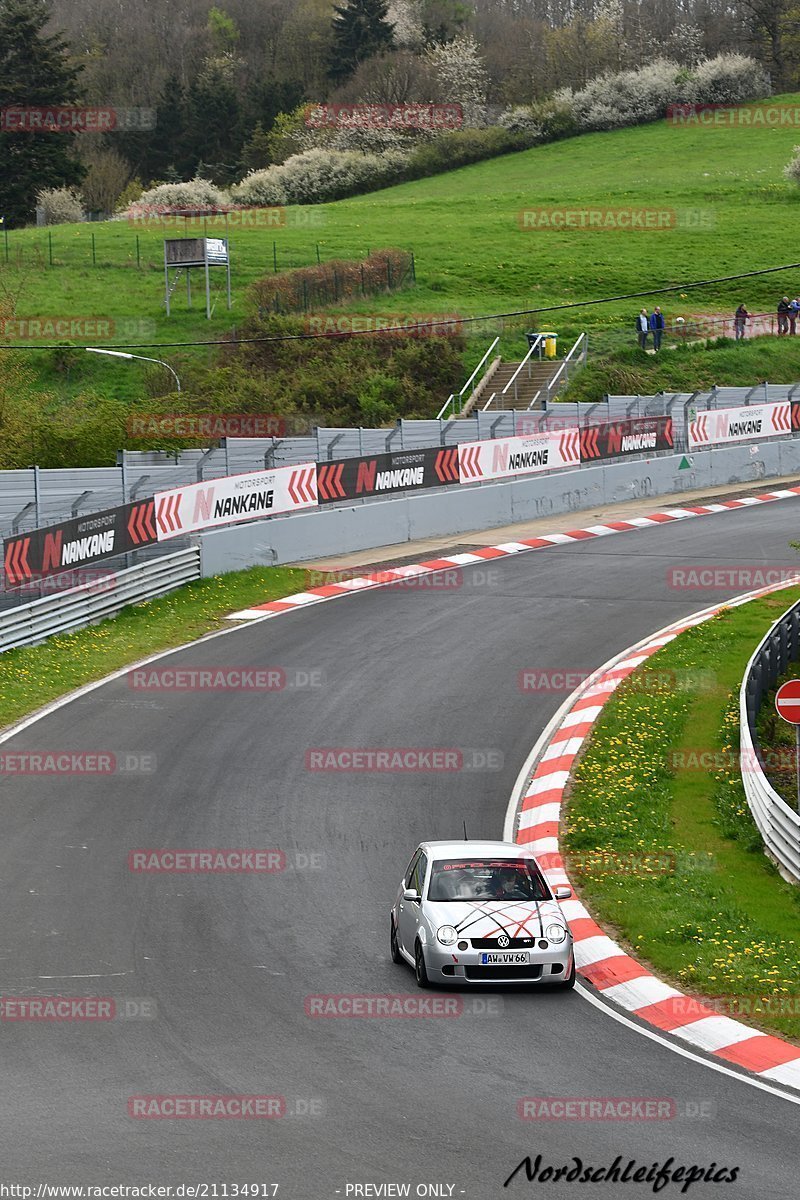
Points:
410	909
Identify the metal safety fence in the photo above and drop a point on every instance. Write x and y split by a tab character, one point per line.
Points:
778	823
92	602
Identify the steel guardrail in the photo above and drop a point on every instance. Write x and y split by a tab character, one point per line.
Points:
92	602
778	823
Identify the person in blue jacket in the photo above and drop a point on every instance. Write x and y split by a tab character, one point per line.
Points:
657	326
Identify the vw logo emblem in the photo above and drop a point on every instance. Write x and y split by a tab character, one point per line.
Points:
503	940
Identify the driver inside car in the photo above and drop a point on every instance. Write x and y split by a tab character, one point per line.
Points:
506	884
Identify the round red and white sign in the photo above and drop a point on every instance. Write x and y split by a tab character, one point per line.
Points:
787	701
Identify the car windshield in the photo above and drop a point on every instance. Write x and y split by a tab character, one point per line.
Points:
486	879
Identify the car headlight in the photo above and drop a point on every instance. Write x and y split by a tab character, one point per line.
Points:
446	934
555	933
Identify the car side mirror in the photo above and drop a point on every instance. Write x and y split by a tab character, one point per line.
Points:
411	894
563	893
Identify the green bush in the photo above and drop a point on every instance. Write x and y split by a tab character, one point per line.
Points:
459	147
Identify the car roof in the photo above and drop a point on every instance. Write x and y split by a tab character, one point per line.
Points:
475	849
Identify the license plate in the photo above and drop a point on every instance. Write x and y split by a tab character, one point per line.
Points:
505	958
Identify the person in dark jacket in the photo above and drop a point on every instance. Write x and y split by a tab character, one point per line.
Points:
740	319
657	327
783	316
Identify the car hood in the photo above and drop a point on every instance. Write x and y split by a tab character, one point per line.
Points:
490	918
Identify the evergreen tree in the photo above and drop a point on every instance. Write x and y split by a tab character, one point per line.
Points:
361	29
165	150
266	97
214	121
255	152
443	20
35	72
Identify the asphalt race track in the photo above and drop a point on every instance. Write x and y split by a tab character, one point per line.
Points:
225	961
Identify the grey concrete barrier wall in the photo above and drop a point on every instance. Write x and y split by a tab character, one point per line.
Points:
453	511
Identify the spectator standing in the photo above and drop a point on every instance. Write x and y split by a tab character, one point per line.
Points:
783	316
794	313
657	327
740	319
642	328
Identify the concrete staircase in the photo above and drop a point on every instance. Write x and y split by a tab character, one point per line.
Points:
533	378
539	380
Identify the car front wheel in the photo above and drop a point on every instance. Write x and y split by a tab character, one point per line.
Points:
393	946
419	967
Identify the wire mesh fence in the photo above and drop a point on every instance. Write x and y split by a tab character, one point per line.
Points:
118	245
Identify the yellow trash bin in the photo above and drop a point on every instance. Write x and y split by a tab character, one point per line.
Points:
550	344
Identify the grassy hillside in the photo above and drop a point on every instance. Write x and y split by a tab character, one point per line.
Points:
472	257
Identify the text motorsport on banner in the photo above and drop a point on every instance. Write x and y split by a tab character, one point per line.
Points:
616	439
235	498
379	474
502	457
77	542
741	424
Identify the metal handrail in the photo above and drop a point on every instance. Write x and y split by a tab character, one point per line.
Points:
554	380
535	345
457	395
443	409
578	341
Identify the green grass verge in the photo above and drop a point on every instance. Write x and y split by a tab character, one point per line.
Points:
31	676
631	372
472	256
665	852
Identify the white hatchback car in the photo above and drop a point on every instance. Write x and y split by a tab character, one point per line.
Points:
480	912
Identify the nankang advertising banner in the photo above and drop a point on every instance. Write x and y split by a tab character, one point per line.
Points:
28	557
503	457
235	498
726	425
640	435
382	474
